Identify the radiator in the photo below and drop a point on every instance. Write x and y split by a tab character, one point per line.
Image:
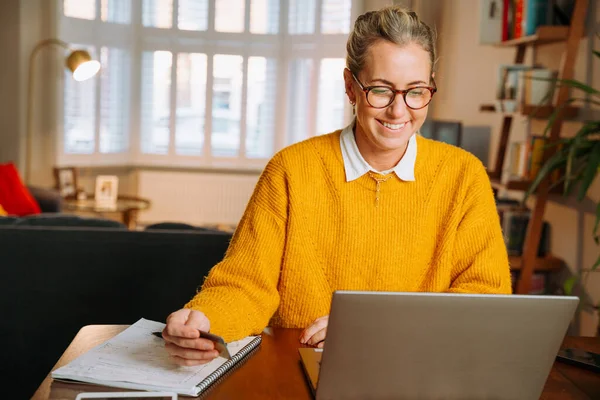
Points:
193	197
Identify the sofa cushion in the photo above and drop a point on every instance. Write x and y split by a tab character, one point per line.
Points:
5	221
66	220
2	211
49	200
14	196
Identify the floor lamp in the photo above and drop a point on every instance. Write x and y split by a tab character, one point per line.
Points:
81	65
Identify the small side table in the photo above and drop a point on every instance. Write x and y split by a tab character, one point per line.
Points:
127	206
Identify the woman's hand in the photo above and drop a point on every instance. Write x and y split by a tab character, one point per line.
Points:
182	338
315	334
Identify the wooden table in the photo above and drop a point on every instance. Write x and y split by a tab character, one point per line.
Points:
274	371
127	206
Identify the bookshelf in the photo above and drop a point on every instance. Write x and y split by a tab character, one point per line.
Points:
519	185
540	112
570	35
542	264
543	35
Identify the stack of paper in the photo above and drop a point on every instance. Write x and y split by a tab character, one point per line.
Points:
136	359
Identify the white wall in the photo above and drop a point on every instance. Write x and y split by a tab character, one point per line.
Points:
10	94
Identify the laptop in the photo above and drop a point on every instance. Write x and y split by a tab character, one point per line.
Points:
383	345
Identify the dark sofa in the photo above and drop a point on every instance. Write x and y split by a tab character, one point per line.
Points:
56	280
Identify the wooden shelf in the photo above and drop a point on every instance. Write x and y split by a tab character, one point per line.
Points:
542	264
539	112
543	35
519	185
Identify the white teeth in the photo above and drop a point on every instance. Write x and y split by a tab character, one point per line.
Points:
393	126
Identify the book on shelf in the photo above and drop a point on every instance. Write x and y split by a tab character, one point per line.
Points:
514	228
537	146
518	160
536	14
538	283
137	359
520	18
525	159
507	19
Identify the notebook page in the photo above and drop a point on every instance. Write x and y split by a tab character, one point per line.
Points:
136	356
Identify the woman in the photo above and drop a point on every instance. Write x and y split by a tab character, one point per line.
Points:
372	207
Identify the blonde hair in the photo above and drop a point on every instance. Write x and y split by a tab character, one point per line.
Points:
394	24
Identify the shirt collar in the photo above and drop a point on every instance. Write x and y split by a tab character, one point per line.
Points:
356	166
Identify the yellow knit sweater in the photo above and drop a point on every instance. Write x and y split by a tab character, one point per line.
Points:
306	232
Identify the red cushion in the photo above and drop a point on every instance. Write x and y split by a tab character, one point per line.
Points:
14	196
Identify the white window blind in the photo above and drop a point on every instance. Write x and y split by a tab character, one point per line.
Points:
229	15
116	11
84	9
155	102
301	17
157	13
330	110
264	16
80	115
193	15
114	100
336	16
191	103
79	112
301	76
260	117
226	105
231	91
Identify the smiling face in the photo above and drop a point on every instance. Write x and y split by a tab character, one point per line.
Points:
382	134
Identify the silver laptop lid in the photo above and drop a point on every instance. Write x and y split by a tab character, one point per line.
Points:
446	346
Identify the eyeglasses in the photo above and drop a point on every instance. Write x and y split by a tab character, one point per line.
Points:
382	96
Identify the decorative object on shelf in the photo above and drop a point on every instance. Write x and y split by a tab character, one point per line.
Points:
106	191
81	65
538	86
65	181
490	21
509	85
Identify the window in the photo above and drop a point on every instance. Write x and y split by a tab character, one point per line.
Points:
203	82
191	103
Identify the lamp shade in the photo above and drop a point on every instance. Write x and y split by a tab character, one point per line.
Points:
82	66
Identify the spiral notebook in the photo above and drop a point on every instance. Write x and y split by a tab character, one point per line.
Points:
136	359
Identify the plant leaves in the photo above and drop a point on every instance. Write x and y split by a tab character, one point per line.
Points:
596	264
569	284
554	162
575	84
597	224
591	169
569	168
555	114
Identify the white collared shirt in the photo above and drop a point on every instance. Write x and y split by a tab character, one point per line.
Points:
356	166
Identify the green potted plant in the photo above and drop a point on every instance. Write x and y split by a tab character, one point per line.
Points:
578	159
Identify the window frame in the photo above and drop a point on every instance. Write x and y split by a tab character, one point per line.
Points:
136	39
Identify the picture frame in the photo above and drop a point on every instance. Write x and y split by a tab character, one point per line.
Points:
106	190
65	179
